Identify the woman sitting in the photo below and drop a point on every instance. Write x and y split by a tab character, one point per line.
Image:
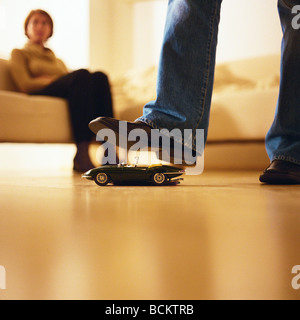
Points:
37	71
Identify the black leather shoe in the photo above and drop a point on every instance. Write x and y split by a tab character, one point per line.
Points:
114	124
281	172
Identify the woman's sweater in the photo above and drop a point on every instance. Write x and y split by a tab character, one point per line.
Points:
30	64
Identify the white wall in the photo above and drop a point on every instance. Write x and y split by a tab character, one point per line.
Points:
149	22
248	28
71	21
111	36
117	35
125	34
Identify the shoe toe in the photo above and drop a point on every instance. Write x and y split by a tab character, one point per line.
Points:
281	172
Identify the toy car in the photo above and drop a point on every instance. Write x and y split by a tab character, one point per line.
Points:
128	174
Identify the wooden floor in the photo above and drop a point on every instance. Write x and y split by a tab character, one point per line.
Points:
220	235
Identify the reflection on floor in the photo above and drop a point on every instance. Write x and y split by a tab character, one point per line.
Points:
220	235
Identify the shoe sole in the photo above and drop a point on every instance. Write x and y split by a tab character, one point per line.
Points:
279	179
96	125
100	124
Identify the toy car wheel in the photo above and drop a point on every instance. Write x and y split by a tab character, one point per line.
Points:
102	179
159	178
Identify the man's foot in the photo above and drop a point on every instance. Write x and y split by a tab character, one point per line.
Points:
114	124
281	172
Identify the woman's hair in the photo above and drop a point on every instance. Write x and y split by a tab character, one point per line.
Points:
42	12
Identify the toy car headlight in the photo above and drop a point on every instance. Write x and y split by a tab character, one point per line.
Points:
87	174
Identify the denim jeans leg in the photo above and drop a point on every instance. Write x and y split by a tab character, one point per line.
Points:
283	138
186	68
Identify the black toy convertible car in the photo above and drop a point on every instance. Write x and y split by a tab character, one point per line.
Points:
130	174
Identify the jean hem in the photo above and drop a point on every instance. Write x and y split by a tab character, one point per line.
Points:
286	158
182	141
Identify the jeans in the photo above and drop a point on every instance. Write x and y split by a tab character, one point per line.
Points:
186	76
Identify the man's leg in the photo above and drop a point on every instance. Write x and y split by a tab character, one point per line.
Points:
283	138
186	72
186	69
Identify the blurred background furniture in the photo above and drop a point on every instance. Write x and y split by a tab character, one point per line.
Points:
243	107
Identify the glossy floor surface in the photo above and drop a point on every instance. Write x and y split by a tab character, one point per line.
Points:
220	235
